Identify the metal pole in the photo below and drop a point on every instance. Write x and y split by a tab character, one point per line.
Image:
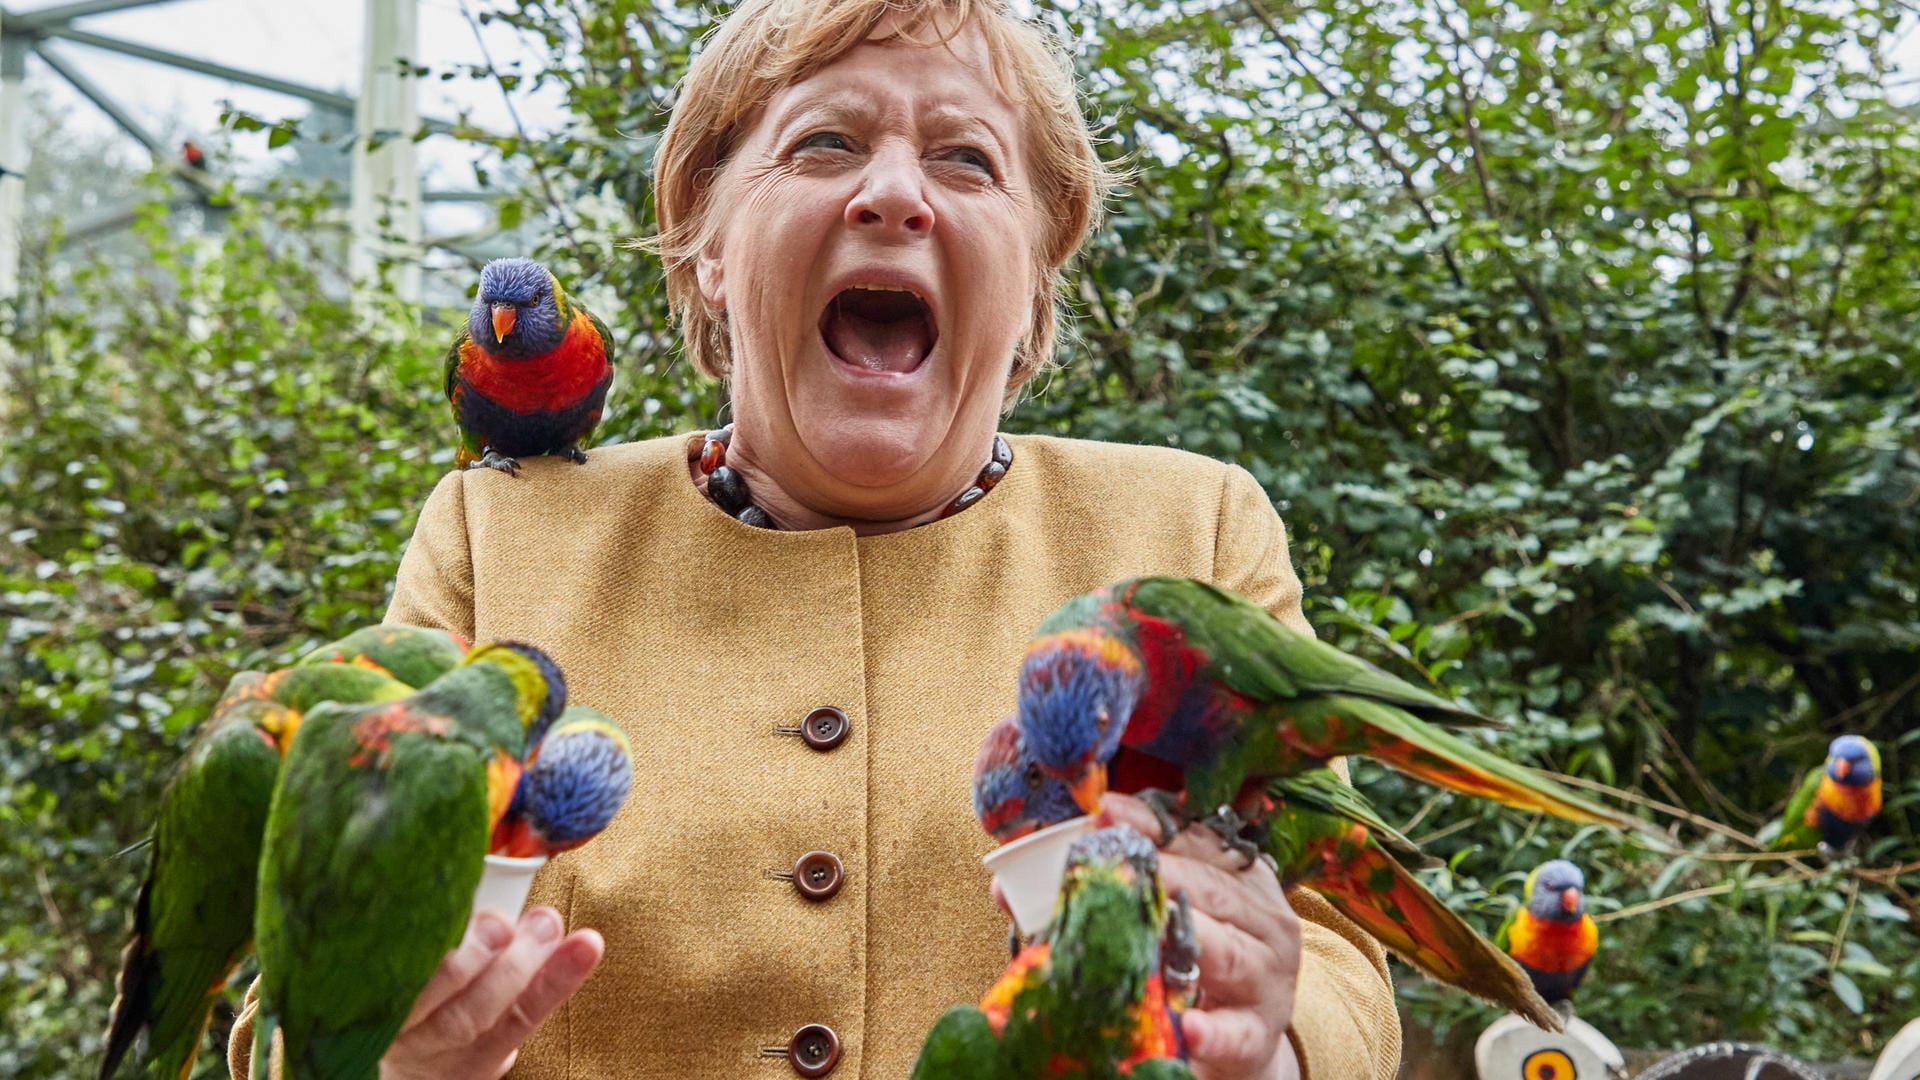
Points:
53	16
13	160
386	180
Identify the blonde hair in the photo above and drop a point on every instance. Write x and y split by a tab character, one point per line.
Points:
765	46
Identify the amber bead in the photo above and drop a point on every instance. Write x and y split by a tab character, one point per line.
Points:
991	475
712	455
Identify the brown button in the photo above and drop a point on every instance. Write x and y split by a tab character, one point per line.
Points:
818	875
825	728
814	1050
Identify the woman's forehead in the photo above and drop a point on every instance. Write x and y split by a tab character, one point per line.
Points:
955	75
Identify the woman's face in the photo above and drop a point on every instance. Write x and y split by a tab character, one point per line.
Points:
875	263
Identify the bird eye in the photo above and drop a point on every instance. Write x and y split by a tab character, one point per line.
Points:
1033	775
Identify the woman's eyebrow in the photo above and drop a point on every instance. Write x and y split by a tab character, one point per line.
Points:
951	120
830	109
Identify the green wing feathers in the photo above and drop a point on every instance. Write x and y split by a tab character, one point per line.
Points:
1391	905
1795	833
958	1047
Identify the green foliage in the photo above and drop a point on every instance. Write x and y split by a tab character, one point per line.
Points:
1573	340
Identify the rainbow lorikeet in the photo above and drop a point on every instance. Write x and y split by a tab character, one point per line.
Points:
529	373
575	781
416	655
1320	834
193	917
1834	802
1551	934
1202	679
374	845
1089	1002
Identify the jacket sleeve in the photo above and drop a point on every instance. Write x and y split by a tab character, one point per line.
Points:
434	588
435	584
1344	1022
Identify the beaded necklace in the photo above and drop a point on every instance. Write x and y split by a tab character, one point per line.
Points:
728	489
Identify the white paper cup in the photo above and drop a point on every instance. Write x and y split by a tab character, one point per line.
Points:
504	884
1030	869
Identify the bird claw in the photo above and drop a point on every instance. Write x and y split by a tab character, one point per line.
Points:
573	453
492	459
1228	825
1180	956
1165	806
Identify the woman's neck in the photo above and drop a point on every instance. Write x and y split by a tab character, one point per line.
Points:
885	511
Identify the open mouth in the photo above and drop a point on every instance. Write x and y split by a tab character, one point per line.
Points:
880	328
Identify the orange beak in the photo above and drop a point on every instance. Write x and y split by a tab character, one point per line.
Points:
1086	793
1841	767
503	316
1570	900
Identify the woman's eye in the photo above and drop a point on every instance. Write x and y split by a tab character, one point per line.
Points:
824	140
967	155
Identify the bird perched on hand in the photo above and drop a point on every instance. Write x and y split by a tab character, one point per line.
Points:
1321	834
416	655
1089	1002
1835	802
1204	681
374	846
529	373
193	917
1550	933
575	781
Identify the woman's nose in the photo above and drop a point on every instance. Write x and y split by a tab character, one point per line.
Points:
892	197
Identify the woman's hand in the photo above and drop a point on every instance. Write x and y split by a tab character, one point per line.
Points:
489	995
1249	951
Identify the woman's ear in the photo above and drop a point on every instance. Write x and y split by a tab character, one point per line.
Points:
709	272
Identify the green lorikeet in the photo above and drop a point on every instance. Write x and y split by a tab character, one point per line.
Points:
193	918
374	846
1088	1003
1834	802
1320	833
529	373
1550	933
416	655
1199	678
575	782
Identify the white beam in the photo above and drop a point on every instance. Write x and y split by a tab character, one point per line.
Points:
13	160
386	177
64	13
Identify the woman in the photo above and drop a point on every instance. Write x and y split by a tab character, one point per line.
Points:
864	206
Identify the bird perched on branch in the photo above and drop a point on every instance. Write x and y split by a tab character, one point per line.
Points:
1089	1002
1836	801
528	375
1550	933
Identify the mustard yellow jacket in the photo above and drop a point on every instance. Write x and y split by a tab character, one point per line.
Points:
710	641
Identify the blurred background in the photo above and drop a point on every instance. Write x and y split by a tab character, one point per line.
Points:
1576	341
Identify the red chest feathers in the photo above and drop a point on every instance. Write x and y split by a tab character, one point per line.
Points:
551	382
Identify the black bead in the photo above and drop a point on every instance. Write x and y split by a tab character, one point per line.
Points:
756	517
991	475
728	489
1002	453
965	499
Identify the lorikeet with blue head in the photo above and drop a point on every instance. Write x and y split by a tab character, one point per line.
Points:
529	373
374	845
1550	933
1321	834
1206	681
1089	1002
1836	801
576	780
193	917
416	655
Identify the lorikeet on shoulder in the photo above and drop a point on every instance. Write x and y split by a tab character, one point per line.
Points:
1550	933
193	917
374	846
1205	680
529	373
1089	1002
1836	801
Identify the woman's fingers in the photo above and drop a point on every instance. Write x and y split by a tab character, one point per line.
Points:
566	969
468	1015
1230	1042
487	934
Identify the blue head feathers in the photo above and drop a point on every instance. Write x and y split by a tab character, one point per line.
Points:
517	314
1851	760
1559	892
